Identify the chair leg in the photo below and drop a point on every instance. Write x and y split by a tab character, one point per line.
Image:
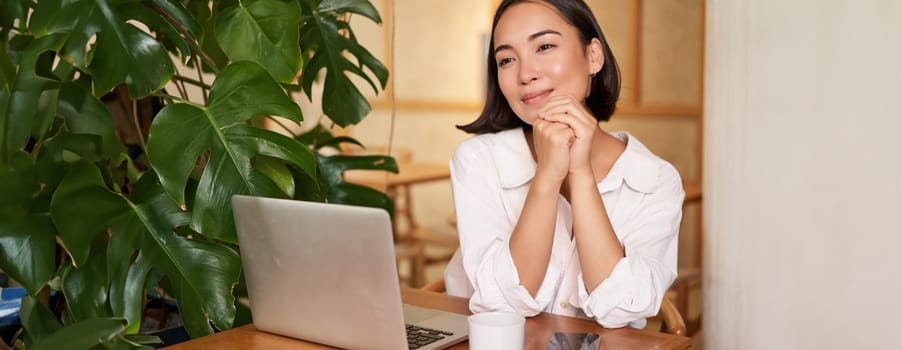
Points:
418	266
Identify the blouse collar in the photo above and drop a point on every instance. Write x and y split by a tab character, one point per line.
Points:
636	166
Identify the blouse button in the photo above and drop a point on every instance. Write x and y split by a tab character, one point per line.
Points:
564	305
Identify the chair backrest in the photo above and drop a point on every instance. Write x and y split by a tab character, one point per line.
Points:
672	320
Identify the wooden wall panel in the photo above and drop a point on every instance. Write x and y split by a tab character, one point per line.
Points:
671	52
616	23
440	50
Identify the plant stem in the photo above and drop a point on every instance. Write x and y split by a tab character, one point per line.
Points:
199	84
177	78
184	89
200	76
275	120
138	126
192	41
174	98
16	336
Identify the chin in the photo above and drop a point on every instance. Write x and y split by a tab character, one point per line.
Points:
529	119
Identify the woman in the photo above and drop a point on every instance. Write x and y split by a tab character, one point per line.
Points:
555	214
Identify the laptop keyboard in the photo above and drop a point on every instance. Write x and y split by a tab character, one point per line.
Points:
419	336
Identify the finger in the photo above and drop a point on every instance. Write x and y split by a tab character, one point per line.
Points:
557	133
579	125
554	112
565	118
552	128
563	99
558	101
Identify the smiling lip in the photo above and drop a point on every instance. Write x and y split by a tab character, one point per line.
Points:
533	97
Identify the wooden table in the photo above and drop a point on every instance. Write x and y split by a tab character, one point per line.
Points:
408	174
538	331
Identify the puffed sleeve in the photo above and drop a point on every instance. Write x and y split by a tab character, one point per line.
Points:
485	231
635	287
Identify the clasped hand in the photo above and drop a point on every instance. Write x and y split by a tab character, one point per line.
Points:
562	135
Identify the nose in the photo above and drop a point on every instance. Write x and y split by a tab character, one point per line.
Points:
528	72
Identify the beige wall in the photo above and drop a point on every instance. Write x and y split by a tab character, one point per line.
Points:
802	175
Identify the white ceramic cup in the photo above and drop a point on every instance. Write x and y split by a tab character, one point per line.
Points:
497	330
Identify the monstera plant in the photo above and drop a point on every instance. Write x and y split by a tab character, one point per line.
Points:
98	207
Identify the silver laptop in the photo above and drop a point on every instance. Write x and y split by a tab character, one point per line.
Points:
326	273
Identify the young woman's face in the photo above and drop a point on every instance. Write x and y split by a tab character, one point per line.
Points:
539	55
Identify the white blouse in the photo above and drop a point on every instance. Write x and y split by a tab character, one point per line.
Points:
643	196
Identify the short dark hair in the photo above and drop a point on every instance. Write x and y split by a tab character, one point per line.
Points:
497	114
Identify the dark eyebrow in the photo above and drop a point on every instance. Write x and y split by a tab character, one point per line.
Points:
544	32
532	37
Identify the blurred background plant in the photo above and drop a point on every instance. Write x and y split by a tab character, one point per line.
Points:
115	188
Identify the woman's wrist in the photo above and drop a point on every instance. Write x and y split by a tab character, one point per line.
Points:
579	176
546	183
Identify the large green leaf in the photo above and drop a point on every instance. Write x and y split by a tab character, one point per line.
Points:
122	53
18	113
27	246
277	171
342	102
164	17
10	11
143	339
18	183
242	91
44	13
46	111
27	249
127	273
57	155
43	331
329	184
78	224
7	72
332	169
83	335
200	10
85	114
203	272
202	275
262	31
86	288
360	7
126	301
38	322
171	20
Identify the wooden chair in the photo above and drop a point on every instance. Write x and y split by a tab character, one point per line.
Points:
411	238
672	321
689	278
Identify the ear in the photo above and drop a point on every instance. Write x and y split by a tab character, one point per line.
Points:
596	56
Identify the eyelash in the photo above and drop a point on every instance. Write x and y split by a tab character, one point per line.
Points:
543	47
